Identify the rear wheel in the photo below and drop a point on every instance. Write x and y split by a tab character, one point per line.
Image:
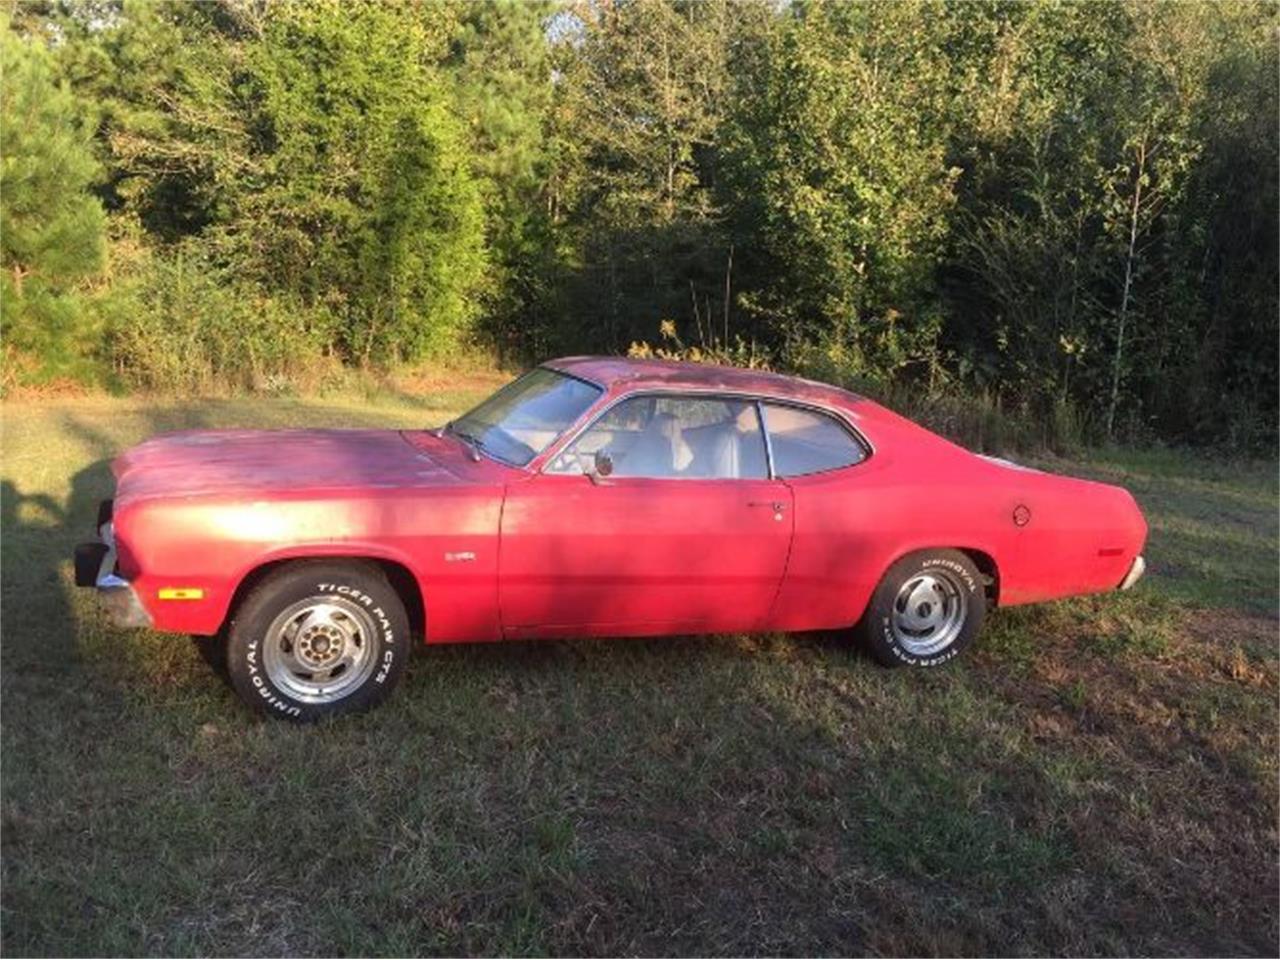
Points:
316	639
928	607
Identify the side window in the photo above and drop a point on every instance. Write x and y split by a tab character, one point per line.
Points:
659	437
804	441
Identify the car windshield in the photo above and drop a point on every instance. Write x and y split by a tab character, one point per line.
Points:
522	419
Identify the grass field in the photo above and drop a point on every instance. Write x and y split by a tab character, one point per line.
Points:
1098	777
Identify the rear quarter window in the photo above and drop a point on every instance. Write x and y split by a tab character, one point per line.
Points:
806	441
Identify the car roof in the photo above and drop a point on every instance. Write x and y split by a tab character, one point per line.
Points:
616	373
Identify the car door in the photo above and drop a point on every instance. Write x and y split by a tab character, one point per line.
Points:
839	518
687	533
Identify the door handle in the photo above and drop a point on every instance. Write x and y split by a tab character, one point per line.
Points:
777	506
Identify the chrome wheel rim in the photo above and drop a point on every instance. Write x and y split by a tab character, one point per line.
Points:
928	613
320	649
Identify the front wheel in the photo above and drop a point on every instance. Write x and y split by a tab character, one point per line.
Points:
316	639
928	607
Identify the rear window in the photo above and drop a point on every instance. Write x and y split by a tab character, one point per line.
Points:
805	441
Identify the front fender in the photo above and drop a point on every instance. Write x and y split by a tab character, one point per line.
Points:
208	550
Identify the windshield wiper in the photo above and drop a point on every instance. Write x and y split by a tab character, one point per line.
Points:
473	443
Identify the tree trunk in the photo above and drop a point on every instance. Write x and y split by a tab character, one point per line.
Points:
669	125
1118	360
728	276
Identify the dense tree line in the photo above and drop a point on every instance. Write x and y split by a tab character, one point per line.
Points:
1069	209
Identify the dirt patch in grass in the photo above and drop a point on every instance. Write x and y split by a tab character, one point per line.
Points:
1247	641
1173	777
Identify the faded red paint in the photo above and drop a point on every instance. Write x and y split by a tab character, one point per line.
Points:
499	551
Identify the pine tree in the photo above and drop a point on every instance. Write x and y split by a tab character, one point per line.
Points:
502	75
51	225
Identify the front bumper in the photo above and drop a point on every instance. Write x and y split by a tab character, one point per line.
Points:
1136	570
96	567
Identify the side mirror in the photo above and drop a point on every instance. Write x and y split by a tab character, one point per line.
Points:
601	466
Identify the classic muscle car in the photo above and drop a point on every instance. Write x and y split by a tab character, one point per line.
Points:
590	497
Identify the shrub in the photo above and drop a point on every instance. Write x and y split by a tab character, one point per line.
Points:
186	326
976	419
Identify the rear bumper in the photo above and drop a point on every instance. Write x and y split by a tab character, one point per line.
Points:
1136	570
96	567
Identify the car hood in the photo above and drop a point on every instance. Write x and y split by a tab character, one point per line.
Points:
211	462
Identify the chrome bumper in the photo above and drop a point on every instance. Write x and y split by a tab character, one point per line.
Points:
96	567
1135	573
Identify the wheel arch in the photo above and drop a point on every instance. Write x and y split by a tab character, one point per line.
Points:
398	574
990	570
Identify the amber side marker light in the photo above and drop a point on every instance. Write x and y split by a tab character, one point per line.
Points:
180	593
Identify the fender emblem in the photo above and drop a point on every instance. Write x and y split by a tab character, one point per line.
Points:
462	556
1021	515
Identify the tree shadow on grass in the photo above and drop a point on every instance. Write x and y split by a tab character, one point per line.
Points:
39	630
50	624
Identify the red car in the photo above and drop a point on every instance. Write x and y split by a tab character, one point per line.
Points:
589	497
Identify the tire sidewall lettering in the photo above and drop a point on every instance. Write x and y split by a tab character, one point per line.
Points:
386	640
950	653
881	633
954	567
258	686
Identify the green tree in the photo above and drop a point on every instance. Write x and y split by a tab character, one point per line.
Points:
1083	218
171	121
1157	148
1070	208
642	105
1025	274
1217	382
366	207
838	165
51	224
500	65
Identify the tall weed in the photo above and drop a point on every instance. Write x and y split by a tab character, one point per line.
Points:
186	326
